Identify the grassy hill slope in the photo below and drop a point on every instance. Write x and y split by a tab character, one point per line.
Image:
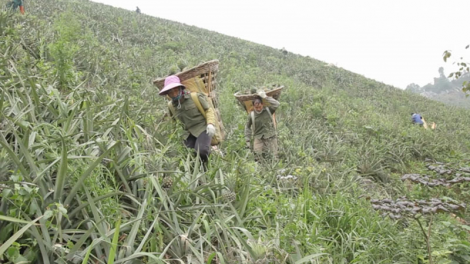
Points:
88	153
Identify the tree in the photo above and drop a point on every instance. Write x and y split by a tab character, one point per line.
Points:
441	72
414	88
464	68
442	84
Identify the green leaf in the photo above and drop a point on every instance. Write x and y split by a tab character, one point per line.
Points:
144	240
466	227
47	214
86	174
14	157
13	238
446	55
130	240
62	209
79	243
12	252
60	180
211	256
1	102
27	155
148	255
309	257
87	203
14	220
221	258
87	256
112	253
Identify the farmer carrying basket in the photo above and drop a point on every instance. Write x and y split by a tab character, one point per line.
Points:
261	124
193	101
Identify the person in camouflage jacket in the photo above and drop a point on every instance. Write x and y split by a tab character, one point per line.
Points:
261	127
198	129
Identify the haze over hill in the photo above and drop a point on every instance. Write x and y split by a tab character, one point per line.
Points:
93	170
396	43
444	90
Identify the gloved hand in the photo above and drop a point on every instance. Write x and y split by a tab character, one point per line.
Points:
210	130
262	94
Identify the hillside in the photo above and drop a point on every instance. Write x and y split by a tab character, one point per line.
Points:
92	170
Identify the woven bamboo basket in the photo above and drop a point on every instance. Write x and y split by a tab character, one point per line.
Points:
246	99
206	71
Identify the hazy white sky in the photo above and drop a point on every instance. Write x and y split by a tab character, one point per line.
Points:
396	42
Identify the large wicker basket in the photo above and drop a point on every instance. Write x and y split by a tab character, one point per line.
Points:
274	93
246	99
206	71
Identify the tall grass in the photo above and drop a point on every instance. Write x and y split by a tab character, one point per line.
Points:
92	171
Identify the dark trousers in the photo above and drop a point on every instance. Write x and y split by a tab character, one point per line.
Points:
202	145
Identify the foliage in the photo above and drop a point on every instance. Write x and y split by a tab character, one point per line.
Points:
89	154
463	71
65	47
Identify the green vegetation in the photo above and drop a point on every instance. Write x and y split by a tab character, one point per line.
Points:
91	170
463	70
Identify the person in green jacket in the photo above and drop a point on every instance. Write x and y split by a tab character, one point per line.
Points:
198	129
261	126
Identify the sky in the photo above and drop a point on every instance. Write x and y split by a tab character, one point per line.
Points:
396	42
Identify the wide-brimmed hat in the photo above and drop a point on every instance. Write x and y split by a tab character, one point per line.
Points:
170	82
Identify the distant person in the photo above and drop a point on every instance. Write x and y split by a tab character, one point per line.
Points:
15	4
419	120
261	127
137	10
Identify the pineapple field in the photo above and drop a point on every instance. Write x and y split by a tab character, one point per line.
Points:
93	170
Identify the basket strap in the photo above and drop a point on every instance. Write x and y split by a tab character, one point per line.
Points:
198	104
253	125
273	117
274	121
209	82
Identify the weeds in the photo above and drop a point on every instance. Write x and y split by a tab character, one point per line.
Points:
93	172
